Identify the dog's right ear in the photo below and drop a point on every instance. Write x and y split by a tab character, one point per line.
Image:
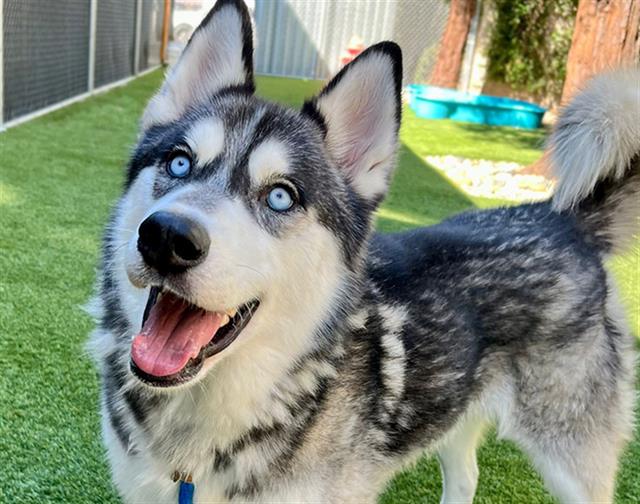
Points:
219	55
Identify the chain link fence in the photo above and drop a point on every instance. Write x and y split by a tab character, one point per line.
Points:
54	51
310	39
58	51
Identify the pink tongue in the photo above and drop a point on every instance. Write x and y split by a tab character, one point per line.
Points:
173	333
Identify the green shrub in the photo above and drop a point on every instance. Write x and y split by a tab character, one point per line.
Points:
530	43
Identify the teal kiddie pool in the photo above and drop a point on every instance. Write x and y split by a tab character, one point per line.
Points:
430	102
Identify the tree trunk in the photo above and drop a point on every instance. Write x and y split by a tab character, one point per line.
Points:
446	71
606	35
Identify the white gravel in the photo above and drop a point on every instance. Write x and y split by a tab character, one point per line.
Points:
493	179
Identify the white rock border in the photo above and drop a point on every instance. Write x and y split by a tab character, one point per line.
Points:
493	179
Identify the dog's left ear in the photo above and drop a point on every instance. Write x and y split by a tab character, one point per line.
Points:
219	55
359	111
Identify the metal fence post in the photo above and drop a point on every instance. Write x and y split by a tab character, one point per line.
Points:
166	17
136	38
1	63
93	21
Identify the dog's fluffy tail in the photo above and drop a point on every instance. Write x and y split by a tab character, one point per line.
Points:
595	153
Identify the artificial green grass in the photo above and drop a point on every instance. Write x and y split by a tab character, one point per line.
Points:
59	176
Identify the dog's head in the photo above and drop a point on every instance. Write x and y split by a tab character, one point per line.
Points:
243	222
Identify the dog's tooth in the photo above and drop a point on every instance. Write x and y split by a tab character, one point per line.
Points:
232	312
225	320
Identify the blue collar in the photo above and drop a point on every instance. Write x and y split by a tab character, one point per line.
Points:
186	489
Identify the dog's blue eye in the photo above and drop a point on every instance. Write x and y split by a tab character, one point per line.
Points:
279	199
179	167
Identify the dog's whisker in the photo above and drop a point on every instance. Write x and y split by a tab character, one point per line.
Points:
119	247
239	265
123	229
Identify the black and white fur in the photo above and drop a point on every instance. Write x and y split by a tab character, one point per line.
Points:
366	349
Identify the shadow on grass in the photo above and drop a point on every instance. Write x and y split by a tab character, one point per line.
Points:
518	138
419	195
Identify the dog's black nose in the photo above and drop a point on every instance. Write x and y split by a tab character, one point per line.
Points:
171	243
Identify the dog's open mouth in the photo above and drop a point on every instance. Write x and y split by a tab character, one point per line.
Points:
177	337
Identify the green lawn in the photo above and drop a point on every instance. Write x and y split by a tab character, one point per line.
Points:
59	176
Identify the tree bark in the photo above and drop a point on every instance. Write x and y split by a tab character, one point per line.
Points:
606	35
446	71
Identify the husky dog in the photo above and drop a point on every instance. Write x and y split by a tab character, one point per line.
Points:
257	338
